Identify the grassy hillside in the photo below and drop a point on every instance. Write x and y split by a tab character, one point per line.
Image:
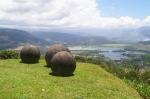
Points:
23	81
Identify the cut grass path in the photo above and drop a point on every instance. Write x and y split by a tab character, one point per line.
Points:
33	81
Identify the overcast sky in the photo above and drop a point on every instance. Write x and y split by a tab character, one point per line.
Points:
75	13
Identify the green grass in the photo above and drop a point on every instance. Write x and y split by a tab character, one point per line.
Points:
33	81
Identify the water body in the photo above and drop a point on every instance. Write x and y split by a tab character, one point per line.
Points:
113	53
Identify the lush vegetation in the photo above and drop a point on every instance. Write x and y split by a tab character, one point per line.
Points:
8	54
34	81
130	71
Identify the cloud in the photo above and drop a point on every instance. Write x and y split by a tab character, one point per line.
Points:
147	20
57	13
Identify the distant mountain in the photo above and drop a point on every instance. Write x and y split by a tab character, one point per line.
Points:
145	42
145	31
71	39
120	35
11	38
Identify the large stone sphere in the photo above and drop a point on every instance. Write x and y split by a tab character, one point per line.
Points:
63	64
52	51
30	54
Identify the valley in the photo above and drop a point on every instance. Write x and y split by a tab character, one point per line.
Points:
89	46
114	52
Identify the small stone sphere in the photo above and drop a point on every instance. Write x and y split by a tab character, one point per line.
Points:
30	54
63	64
52	50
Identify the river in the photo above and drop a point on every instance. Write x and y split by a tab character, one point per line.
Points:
113	53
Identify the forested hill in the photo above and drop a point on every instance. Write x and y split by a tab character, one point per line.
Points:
11	38
71	39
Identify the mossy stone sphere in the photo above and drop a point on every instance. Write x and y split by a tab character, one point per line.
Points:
30	54
52	51
63	64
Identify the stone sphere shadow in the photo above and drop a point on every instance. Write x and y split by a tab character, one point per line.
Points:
53	74
29	62
47	66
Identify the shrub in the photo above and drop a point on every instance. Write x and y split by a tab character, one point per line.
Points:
3	56
145	76
8	54
52	51
93	60
118	71
132	75
30	54
142	88
63	64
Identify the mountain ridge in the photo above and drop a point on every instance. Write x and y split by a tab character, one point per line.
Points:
71	39
11	38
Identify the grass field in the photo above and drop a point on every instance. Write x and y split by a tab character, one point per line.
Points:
33	81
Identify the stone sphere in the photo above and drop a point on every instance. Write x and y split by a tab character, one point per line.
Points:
30	54
52	51
63	64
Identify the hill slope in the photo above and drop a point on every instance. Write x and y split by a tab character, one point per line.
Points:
23	81
11	38
71	39
145	42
